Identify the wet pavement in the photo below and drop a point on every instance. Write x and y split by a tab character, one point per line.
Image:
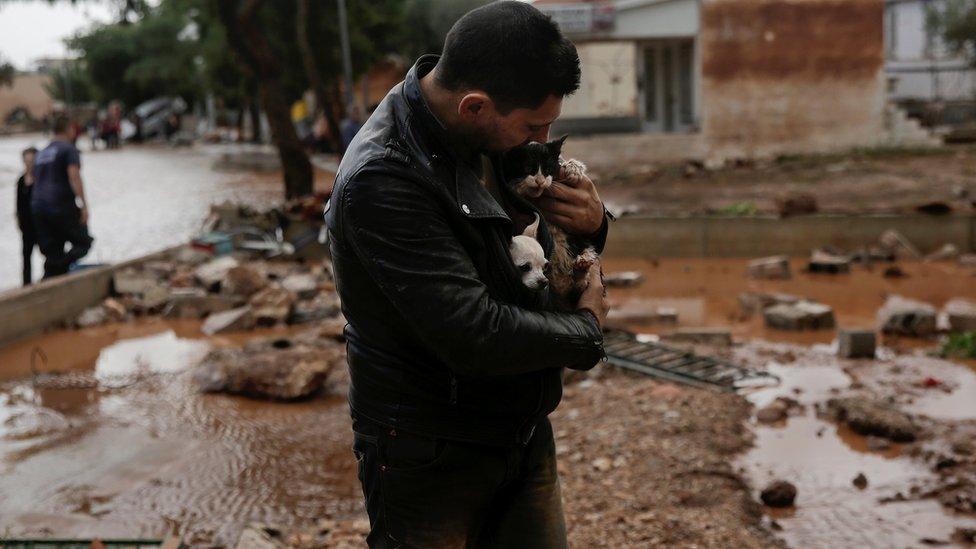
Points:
141	198
124	446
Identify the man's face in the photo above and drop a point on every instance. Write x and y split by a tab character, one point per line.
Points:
502	132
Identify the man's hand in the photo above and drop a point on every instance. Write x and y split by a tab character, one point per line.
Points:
594	297
83	216
572	204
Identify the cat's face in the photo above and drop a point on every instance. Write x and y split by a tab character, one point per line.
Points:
532	167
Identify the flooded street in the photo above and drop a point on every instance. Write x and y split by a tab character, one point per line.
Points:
141	198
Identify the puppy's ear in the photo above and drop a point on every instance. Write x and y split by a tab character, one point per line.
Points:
533	229
556	145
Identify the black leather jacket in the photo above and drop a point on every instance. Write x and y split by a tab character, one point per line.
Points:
442	337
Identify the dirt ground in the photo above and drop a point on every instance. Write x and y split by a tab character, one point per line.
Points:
873	181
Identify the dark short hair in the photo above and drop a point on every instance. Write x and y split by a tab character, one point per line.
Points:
513	52
27	151
61	123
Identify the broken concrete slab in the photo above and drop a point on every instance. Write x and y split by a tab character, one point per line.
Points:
856	343
244	280
642	311
211	273
287	373
961	313
323	305
903	316
802	315
197	303
272	305
755	302
874	417
623	279
822	261
133	281
229	321
303	285
776	267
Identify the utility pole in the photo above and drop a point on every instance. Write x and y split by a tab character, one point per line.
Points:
346	54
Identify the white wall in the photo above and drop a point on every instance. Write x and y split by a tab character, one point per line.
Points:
608	87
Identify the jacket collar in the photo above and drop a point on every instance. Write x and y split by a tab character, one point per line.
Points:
473	199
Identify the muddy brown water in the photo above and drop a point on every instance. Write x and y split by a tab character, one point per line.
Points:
136	460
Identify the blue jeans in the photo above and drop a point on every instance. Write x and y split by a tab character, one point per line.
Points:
430	492
54	229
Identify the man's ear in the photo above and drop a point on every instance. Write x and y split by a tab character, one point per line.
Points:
474	105
533	229
556	145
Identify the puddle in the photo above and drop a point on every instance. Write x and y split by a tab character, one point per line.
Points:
96	461
822	458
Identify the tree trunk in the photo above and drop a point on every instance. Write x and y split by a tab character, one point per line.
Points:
254	109
240	124
259	62
310	62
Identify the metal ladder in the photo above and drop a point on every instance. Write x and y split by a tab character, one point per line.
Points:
661	361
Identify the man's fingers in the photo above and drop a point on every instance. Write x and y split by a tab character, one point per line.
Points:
565	193
557	207
559	220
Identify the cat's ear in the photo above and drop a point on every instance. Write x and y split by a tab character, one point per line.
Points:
533	229
556	145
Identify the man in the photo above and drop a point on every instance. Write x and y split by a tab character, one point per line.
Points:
58	203
350	126
454	363
27	235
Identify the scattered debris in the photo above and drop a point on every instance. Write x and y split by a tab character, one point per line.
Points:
961	313
947	252
856	343
753	302
272	305
874	417
234	320
718	337
304	285
777	410
776	267
244	280
894	271
967	260
934	208
212	273
642	311
860	481
802	315
625	279
877	444
903	316
779	493
822	261
895	243
796	204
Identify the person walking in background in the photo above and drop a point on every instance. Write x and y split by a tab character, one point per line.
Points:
58	205
24	218
350	126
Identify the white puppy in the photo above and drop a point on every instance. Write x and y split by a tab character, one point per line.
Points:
529	257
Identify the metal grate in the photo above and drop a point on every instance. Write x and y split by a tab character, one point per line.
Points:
654	359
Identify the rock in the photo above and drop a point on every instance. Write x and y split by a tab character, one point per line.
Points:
131	281
188	255
304	285
92	316
877	444
802	315
602	464
874	417
947	252
961	314
212	273
154	297
856	343
243	280
894	271
753	302
625	279
281	374
777	267
797	204
706	336
860	481
272	305
904	316
824	262
197	303
779	494
233	320
323	305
